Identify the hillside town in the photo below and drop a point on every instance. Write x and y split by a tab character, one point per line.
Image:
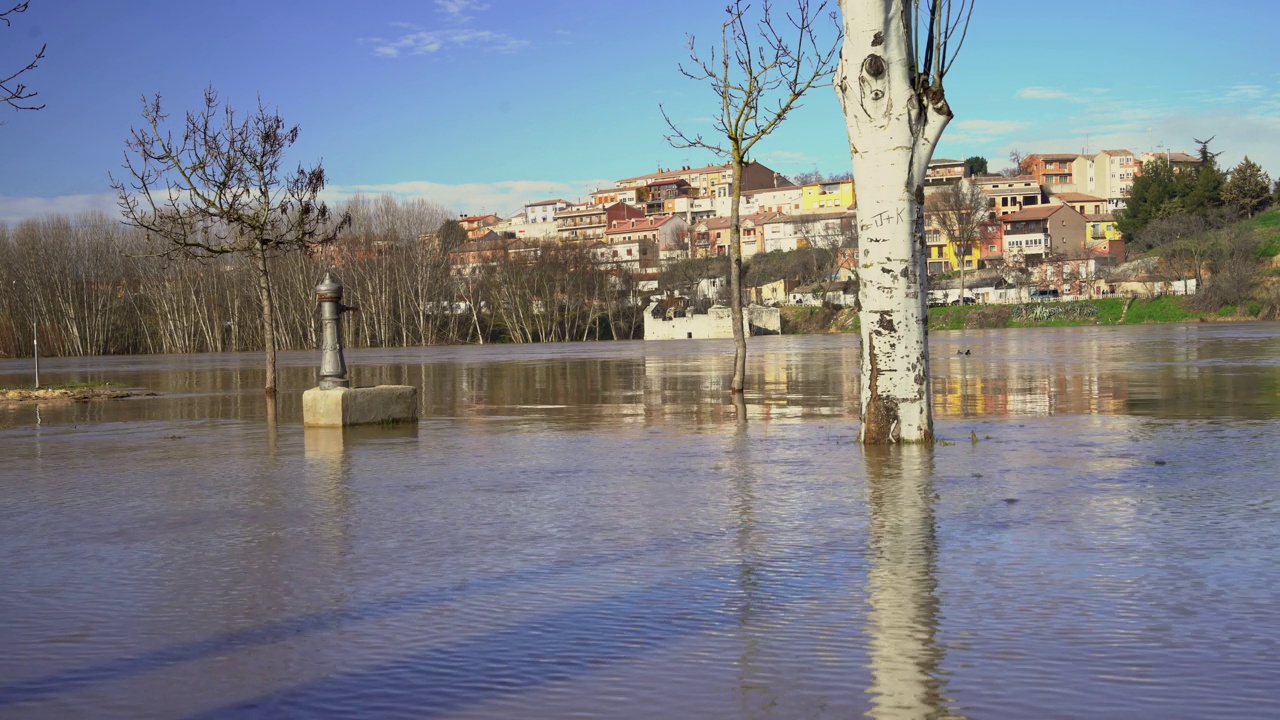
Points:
1053	221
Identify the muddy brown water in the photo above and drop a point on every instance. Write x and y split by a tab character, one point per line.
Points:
586	531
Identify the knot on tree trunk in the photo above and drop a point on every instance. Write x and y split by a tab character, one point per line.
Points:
873	66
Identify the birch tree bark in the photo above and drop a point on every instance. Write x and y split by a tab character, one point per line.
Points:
889	82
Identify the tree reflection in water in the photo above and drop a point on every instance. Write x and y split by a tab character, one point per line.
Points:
906	660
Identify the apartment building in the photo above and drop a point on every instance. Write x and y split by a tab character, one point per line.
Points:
1110	174
588	221
1009	195
703	181
1057	171
1045	232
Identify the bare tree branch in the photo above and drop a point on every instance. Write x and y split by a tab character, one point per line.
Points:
222	188
14	93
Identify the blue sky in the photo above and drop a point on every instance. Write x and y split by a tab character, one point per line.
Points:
484	105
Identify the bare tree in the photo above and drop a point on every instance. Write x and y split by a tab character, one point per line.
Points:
221	188
1235	269
1017	164
890	83
758	77
959	211
12	91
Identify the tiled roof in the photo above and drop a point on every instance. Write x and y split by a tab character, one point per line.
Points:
1077	197
1039	212
722	223
677	173
583	210
991	179
633	224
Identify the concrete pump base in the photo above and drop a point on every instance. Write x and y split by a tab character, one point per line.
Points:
341	407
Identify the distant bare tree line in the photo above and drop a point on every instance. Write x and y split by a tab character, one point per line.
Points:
89	285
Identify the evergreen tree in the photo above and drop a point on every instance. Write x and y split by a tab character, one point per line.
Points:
1248	189
1205	191
977	165
1155	193
451	234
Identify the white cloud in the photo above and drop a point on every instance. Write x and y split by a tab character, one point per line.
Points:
502	197
788	156
17	209
1043	93
1246	92
989	127
788	162
426	42
457	33
459	8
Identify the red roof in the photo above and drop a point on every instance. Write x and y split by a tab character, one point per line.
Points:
647	223
678	172
1077	197
1035	213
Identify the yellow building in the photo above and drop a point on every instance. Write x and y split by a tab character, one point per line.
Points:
1102	228
827	195
943	253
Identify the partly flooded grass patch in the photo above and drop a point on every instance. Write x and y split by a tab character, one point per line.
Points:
63	391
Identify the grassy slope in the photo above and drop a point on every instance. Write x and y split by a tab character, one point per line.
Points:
1167	309
1268	227
1106	311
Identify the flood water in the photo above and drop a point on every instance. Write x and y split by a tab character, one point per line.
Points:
587	531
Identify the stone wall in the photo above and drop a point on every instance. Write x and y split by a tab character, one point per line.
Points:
716	323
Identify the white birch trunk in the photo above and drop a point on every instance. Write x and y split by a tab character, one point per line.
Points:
892	133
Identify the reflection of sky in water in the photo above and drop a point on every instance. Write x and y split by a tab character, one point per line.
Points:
587	531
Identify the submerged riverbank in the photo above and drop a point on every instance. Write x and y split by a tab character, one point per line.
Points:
72	391
1103	311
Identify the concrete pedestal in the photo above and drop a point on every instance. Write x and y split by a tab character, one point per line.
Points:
342	407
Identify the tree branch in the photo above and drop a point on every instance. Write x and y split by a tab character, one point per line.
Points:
13	93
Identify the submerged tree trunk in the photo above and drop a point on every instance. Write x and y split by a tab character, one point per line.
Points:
894	118
735	281
268	319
